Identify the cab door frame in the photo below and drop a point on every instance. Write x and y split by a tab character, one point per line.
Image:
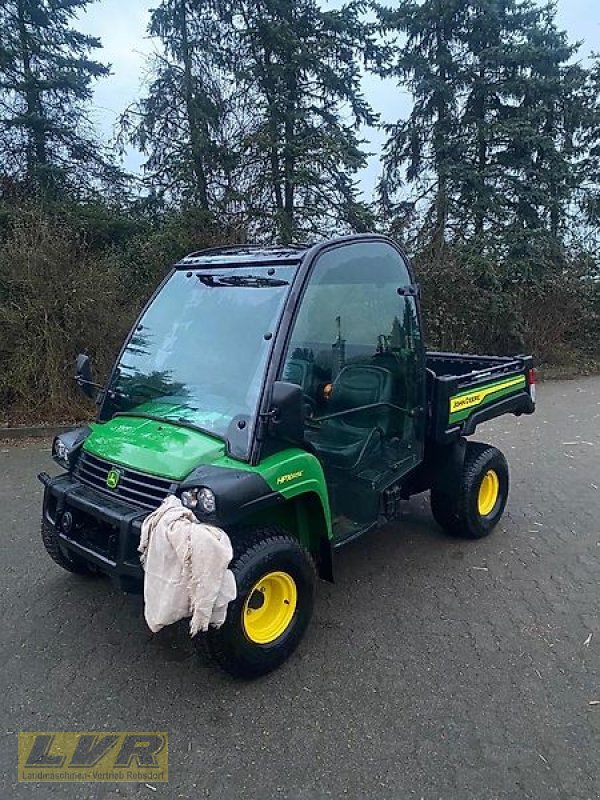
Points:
294	304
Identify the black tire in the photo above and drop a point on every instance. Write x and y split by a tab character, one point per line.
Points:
460	514
257	555
69	562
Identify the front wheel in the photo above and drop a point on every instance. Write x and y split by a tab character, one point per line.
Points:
476	508
68	562
275	579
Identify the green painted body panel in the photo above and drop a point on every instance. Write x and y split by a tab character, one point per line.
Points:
465	403
157	448
290	472
170	451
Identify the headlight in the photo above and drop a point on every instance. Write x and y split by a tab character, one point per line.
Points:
61	452
65	448
202	500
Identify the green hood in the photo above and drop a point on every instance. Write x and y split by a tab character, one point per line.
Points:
157	448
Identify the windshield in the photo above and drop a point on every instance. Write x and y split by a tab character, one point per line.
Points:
199	352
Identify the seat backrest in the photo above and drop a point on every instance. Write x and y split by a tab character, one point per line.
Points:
299	371
361	385
393	363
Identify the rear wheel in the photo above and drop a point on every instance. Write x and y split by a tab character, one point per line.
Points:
476	508
69	562
275	579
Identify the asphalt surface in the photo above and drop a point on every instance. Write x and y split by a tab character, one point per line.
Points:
433	668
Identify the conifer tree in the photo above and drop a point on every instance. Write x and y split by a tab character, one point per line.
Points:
188	124
496	55
46	75
544	160
497	145
425	150
301	64
590	200
256	106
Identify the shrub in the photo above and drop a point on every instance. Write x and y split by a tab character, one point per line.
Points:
66	287
74	279
473	303
56	299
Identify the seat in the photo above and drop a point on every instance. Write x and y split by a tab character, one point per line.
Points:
342	441
299	371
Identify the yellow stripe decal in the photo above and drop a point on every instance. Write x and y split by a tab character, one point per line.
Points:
470	399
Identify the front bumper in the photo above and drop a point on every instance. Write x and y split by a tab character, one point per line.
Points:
101	530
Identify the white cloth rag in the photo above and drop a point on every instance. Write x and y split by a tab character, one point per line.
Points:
185	569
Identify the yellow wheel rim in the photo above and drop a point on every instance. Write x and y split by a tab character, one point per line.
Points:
488	493
269	607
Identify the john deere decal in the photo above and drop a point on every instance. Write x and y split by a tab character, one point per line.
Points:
113	478
461	404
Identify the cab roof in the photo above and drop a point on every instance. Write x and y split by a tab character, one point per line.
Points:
244	254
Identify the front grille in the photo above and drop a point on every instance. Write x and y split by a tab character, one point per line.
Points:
143	490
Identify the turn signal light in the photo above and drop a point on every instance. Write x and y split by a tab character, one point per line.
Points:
531	379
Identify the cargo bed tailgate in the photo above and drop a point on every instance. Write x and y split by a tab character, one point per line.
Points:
465	390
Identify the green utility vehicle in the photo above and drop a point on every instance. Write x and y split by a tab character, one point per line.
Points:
285	395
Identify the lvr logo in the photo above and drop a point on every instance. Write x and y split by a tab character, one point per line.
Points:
113	478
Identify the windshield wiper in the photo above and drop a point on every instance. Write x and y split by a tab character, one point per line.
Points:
253	281
173	420
149	395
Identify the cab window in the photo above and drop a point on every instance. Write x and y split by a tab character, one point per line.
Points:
356	351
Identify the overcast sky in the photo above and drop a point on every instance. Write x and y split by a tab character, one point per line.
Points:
122	24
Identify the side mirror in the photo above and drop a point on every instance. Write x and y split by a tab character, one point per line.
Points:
287	412
83	375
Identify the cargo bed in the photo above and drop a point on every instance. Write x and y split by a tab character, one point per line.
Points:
465	390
